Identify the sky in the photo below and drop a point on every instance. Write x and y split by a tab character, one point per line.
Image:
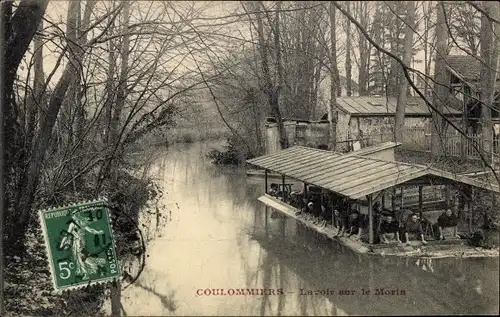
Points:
57	11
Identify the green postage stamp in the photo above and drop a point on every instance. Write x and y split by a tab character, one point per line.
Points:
80	245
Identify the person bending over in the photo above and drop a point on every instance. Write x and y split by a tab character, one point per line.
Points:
447	223
341	222
389	228
413	228
355	225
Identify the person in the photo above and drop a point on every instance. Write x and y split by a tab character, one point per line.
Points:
446	221
324	215
389	227
341	222
414	227
355	224
274	190
309	210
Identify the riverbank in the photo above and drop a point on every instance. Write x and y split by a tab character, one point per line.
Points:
28	282
195	134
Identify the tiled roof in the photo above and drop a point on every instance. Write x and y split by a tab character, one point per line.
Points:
352	176
467	66
375	105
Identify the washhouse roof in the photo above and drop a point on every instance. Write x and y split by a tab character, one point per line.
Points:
352	175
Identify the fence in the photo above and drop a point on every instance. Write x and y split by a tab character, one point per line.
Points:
418	139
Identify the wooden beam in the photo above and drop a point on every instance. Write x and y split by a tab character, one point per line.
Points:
265	180
383	200
370	218
283	183
420	201
447	193
393	200
304	203
402	197
470	208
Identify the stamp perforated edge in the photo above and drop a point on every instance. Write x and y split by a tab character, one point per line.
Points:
103	281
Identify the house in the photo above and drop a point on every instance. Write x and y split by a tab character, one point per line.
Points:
358	118
464	76
375	115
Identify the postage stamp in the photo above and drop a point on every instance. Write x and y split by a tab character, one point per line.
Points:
80	245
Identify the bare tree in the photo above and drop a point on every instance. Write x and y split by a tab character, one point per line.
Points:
441	81
348	66
334	81
407	55
361	10
489	49
271	88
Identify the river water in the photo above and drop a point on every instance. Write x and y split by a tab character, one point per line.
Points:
220	237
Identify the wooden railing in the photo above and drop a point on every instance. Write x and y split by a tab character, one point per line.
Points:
418	139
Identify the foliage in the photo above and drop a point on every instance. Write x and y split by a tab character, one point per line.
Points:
234	153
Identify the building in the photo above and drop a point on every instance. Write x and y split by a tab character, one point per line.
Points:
359	118
375	115
464	76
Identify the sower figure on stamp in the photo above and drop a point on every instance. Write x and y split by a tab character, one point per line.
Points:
75	239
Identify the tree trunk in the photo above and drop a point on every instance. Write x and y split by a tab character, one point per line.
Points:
333	52
47	121
364	50
19	29
36	103
348	66
270	89
332	109
121	95
110	92
67	116
441	84
407	54
489	55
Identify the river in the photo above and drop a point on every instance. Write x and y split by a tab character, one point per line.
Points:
220	237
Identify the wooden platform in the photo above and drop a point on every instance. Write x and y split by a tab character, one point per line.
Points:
434	249
327	231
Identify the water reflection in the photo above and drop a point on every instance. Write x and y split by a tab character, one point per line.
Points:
220	236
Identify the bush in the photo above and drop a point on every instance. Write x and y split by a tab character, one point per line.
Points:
234	153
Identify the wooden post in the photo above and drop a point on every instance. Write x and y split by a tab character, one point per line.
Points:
463	138
304	199
447	195
370	218
402	198
333	218
393	200
265	180
116	299
471	209
265	218
420	201
283	184
383	200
